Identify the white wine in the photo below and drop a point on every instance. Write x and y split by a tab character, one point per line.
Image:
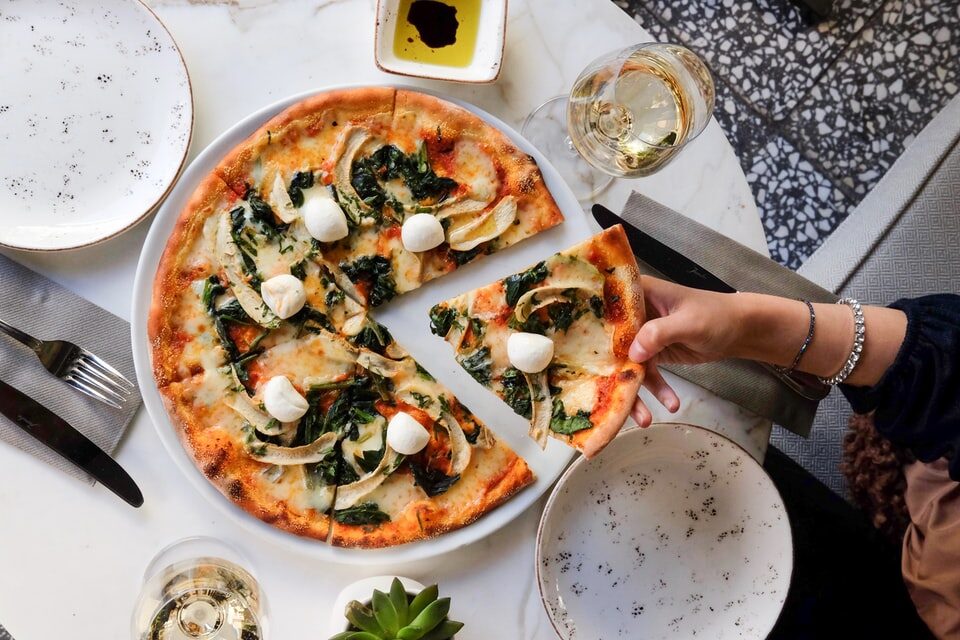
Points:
202	598
630	116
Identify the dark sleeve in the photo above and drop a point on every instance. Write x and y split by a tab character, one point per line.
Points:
917	402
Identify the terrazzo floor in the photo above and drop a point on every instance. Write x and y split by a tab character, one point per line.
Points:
817	109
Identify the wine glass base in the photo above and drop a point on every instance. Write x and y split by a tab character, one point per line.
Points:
546	129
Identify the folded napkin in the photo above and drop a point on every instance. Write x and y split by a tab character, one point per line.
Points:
742	382
47	311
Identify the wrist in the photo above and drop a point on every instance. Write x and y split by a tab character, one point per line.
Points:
769	328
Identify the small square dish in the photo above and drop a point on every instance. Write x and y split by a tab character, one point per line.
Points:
455	40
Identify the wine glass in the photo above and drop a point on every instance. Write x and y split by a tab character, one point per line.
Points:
198	588
629	113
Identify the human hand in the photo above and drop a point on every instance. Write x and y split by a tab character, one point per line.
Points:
684	326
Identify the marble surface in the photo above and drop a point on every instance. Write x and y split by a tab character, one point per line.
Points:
244	54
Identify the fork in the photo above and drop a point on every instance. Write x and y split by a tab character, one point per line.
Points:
76	366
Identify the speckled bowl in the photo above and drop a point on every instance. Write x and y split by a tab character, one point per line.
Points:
96	115
672	532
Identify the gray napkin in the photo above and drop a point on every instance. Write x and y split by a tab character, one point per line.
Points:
47	311
742	382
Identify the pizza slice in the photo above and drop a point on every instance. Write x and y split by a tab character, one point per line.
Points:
552	341
387	188
456	473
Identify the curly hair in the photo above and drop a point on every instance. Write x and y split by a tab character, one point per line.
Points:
873	467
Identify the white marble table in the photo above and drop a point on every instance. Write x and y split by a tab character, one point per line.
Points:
72	555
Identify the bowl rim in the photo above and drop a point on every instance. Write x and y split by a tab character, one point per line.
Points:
581	460
497	68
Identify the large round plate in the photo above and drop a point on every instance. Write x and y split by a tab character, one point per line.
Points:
95	117
672	532
407	319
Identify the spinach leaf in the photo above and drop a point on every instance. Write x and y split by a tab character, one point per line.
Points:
423	373
363	513
478	365
388	163
516	392
596	305
309	319
461	258
376	273
432	481
563	314
301	180
423	400
262	212
519	283
441	319
560	422
334	297
299	270
370	459
374	336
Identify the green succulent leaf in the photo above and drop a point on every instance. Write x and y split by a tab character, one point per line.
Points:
428	619
385	613
444	631
362	617
422	599
398	596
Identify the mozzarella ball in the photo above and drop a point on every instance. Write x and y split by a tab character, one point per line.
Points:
421	232
284	294
282	400
529	352
324	218
405	435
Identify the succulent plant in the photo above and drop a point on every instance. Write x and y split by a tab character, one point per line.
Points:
397	616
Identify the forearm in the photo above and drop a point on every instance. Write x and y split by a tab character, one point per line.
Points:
772	329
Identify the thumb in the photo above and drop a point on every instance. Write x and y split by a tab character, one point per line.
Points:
655	336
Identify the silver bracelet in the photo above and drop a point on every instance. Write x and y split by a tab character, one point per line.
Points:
859	331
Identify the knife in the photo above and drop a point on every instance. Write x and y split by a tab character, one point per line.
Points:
688	273
56	433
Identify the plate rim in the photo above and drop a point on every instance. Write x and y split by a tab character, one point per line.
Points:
628	431
158	202
156	409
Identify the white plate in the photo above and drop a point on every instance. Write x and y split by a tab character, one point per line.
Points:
672	532
95	118
407	319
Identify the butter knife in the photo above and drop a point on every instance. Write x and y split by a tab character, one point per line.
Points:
56	433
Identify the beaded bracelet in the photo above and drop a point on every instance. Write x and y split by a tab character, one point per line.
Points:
859	333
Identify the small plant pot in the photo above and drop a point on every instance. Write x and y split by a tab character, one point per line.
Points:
362	591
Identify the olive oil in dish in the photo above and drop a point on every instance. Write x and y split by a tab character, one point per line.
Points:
437	32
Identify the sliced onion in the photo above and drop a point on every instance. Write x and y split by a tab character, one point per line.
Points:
230	261
541	405
280	200
350	494
460	451
349	145
485	227
573	276
454	206
378	364
238	400
306	454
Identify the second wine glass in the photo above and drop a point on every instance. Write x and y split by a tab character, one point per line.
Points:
629	113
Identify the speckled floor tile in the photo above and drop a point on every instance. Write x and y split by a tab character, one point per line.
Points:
771	51
874	100
798	204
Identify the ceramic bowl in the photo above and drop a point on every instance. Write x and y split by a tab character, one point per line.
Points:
487	57
672	532
96	105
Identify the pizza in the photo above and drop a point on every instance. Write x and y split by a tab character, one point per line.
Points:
552	341
294	401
